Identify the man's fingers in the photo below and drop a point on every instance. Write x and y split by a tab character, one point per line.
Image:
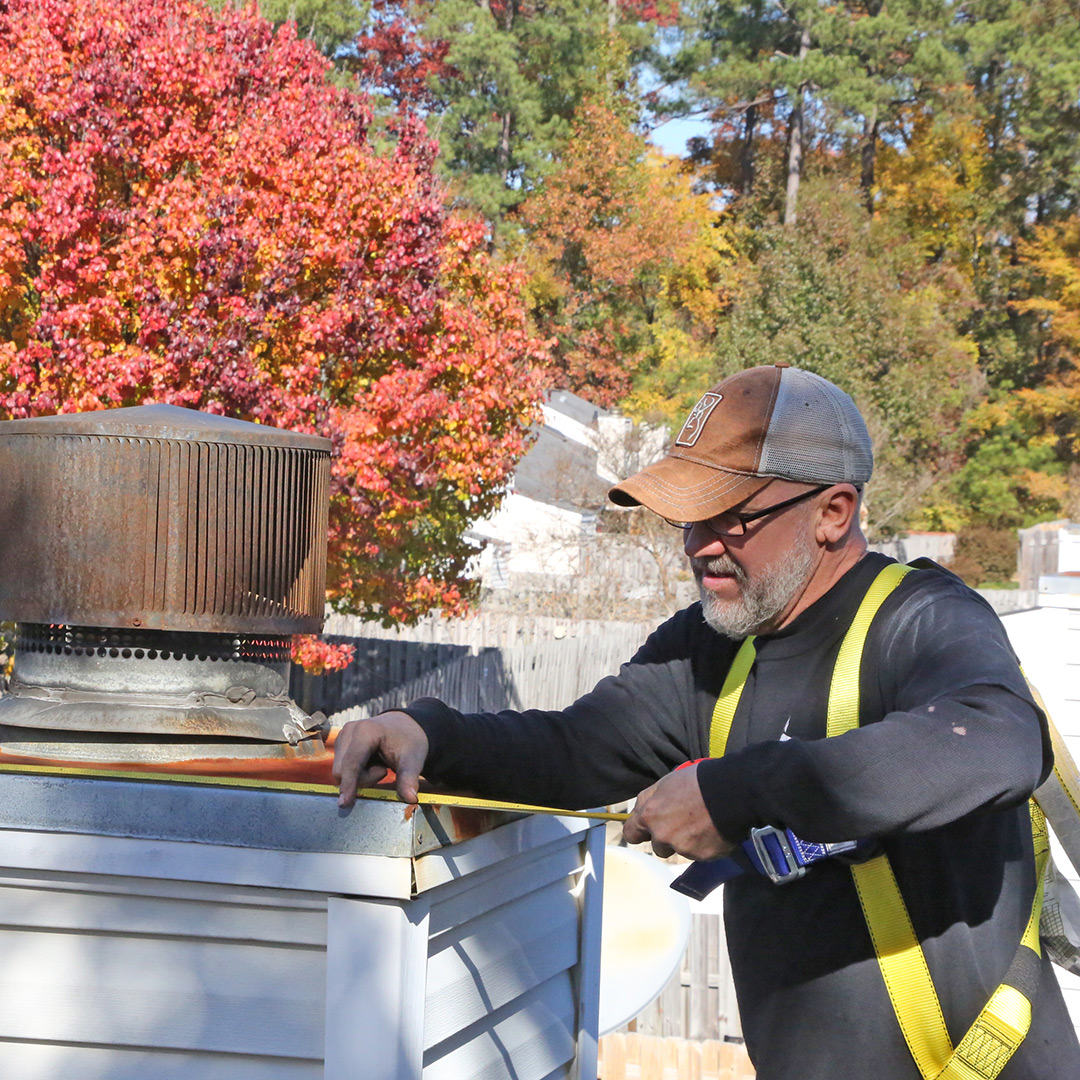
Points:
366	749
353	748
634	829
408	774
673	815
371	776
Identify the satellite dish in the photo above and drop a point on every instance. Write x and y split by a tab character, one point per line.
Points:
646	926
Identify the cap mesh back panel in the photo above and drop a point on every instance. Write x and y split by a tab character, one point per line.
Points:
816	434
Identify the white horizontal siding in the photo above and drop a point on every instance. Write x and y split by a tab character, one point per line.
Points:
499	956
462	900
120	976
31	906
504	950
119	972
187	994
37	1061
530	1039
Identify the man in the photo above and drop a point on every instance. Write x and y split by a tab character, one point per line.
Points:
765	479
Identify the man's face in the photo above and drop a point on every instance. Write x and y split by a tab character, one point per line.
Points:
748	584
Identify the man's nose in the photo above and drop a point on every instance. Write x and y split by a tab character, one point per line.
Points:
700	541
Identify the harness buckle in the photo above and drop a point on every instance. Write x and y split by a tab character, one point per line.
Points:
776	854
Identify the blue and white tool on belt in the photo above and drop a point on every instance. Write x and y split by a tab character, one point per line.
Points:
777	854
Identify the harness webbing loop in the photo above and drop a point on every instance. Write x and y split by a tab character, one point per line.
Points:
1005	1020
903	965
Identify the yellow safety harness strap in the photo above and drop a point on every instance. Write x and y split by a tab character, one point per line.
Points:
425	798
900	957
1005	1020
843	712
728	701
903	965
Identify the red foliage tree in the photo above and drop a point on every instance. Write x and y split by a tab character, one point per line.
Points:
191	213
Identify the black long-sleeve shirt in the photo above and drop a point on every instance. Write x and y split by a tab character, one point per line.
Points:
949	749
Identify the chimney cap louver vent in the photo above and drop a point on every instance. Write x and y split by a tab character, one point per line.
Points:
163	518
164	422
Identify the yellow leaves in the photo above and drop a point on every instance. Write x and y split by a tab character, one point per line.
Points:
679	367
1044	487
936	184
1054	252
617	245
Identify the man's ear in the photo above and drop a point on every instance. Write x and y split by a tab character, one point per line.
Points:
839	514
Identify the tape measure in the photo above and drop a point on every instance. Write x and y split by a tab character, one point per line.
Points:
379	794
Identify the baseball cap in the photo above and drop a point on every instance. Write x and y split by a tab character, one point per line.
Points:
765	423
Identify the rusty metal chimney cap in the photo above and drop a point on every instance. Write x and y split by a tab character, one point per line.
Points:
170	422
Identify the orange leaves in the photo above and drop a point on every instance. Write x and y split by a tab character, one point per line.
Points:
620	249
191	213
316	656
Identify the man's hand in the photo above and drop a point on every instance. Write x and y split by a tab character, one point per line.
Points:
365	750
672	815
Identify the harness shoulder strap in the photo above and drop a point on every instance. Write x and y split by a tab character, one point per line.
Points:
1005	1020
728	701
843	712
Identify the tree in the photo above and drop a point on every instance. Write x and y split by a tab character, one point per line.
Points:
627	266
329	24
1047	416
885	60
1023	61
851	299
191	213
498	81
800	76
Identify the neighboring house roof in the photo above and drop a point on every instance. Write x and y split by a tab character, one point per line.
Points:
584	412
561	472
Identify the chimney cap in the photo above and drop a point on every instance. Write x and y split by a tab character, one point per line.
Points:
171	422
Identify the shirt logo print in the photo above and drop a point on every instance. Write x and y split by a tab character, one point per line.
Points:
695	422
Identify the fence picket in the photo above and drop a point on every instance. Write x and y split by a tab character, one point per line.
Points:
653	1057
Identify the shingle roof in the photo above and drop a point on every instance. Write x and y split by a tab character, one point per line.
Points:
561	472
584	412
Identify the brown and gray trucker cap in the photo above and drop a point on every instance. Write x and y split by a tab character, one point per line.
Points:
766	423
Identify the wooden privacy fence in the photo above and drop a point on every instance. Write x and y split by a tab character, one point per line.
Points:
699	1000
1039	552
540	675
491	629
652	1057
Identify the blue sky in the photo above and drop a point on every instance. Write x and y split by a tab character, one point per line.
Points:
671	136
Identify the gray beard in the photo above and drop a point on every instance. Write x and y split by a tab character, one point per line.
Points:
761	600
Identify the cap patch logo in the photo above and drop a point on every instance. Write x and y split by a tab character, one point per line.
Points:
695	422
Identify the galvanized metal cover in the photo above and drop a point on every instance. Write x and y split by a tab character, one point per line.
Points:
164	422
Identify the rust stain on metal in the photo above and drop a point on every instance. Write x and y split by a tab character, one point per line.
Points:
309	770
163	517
469	822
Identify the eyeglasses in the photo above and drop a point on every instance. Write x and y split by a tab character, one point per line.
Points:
734	522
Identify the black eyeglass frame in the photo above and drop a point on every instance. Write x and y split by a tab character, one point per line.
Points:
742	520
